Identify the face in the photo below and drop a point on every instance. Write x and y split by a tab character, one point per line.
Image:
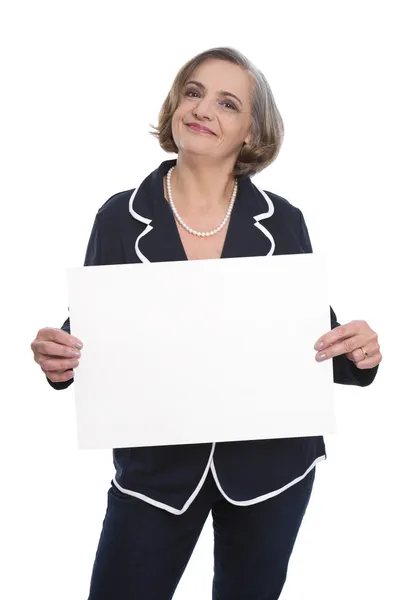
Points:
213	117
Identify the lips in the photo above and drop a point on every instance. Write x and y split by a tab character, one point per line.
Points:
199	128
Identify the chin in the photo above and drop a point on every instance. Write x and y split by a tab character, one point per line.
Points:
199	146
192	151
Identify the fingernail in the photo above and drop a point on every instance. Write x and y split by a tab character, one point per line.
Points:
79	345
319	346
321	356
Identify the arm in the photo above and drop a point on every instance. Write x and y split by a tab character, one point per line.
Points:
93	257
344	370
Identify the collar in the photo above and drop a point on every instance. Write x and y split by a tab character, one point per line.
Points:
160	240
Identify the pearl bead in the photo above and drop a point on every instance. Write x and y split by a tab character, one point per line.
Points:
189	229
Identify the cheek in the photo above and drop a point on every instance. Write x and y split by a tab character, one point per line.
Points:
233	129
178	115
241	130
175	121
183	108
176	126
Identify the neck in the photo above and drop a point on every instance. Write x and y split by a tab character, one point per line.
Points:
205	185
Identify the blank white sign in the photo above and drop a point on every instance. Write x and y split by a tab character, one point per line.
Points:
201	351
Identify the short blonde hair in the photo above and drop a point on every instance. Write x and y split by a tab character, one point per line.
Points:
267	128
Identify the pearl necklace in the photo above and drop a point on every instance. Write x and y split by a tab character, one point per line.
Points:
189	229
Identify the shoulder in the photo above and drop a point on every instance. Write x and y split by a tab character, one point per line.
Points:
293	219
113	215
283	205
116	204
283	210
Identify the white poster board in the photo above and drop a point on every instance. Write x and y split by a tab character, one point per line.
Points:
201	351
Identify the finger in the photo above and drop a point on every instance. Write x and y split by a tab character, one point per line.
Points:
55	349
346	346
358	354
372	351
54	364
59	336
337	334
370	362
58	376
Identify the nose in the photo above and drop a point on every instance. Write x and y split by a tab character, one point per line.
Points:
204	109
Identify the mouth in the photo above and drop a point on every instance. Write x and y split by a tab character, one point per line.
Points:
199	128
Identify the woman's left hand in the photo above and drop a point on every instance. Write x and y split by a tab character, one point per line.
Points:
349	339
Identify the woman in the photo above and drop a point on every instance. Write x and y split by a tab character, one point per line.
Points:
221	119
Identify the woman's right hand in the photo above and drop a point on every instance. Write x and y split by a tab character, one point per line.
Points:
55	351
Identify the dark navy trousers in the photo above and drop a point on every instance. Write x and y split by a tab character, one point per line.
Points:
143	550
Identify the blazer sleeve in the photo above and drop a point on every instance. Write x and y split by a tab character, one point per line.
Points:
93	257
344	369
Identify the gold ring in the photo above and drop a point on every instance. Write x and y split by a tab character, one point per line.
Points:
365	353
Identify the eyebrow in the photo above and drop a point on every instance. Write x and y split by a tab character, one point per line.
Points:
222	92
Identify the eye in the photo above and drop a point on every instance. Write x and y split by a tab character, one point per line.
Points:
192	93
229	105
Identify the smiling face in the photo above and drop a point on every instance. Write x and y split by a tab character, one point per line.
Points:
214	115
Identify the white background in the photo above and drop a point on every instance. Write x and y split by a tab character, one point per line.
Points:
81	82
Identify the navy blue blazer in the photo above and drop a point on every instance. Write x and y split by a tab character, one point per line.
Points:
138	226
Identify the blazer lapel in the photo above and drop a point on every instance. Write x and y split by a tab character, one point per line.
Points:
160	240
246	235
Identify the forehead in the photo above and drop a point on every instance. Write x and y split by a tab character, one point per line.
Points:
218	75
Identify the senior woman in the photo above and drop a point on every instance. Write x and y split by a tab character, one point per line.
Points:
221	120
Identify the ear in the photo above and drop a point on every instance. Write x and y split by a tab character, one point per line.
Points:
247	139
